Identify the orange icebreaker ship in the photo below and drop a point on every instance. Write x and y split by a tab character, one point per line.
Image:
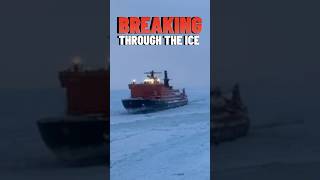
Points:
153	95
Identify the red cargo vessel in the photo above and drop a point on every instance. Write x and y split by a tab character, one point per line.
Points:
153	95
82	135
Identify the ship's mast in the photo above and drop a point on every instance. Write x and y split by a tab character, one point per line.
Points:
151	74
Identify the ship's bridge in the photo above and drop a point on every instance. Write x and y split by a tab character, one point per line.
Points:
154	80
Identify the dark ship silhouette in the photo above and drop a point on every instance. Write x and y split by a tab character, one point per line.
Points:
229	118
153	95
82	135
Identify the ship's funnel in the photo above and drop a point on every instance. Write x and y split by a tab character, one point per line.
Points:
166	79
236	94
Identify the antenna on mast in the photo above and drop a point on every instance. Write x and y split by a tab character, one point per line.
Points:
152	73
